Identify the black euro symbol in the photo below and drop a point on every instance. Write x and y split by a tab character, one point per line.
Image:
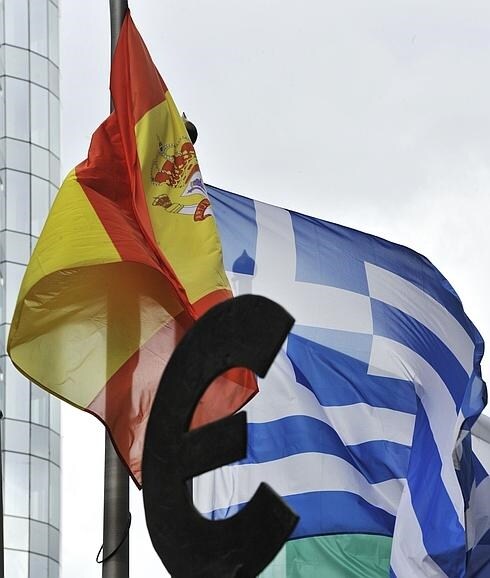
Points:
247	331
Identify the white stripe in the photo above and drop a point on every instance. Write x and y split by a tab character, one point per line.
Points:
390	358
298	474
480	440
478	513
400	293
280	396
309	303
275	254
409	558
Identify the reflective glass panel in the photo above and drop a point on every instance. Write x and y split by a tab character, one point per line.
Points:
39	489
39	405
54	543
53	33
54	170
40	441
16	23
16	564
16	484
16	532
14	275
40	162
16	62
2	102
39	538
54	495
16	436
38	566
17	196
17	154
38	16
53	191
54	79
3	248
54	125
39	116
54	447
3	206
39	204
39	69
17	247
16	392
17	106
53	568
54	414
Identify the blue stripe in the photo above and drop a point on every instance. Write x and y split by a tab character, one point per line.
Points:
326	254
334	255
479	559
394	324
443	535
392	573
329	513
237	226
337	379
357	345
466	470
480	471
475	399
377	460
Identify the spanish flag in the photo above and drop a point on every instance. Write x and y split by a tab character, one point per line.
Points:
128	259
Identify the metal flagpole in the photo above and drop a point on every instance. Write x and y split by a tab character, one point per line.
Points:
116	479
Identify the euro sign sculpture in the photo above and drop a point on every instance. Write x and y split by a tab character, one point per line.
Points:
244	332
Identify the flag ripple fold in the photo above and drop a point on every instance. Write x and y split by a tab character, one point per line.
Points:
128	258
362	420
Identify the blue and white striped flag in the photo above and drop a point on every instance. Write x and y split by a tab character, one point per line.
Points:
359	421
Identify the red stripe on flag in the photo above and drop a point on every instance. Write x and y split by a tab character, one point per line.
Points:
135	86
104	179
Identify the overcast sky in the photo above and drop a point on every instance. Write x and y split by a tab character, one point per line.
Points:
375	115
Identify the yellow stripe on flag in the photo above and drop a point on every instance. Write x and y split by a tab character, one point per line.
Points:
182	223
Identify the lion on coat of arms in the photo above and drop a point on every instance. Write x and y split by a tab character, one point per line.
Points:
175	166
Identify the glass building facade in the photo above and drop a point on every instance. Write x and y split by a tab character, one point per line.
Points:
29	176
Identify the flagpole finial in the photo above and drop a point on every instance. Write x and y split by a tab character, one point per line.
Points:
190	128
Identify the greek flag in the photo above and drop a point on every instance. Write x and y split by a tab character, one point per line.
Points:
362	422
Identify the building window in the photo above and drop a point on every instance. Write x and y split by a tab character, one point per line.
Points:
53	34
38	18
40	162
16	62
16	564
39	489
39	538
18	154
38	566
16	485
39	204
16	532
16	23
16	436
39	441
39	69
54	495
17	393
39	406
39	116
18	202
17	108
